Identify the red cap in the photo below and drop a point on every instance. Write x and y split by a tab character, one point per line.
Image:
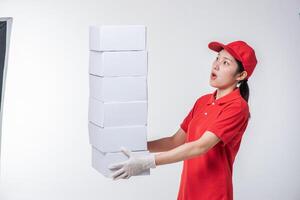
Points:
241	51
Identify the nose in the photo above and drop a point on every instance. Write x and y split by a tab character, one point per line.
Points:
216	65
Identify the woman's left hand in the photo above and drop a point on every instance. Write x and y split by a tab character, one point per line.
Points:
135	165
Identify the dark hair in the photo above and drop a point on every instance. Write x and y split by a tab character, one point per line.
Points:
244	89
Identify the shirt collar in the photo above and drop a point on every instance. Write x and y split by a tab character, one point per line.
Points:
228	97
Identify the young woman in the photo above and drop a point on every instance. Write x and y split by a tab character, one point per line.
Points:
209	137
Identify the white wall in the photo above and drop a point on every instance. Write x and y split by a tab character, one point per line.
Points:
45	151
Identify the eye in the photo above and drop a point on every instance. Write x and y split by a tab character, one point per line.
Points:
217	58
226	63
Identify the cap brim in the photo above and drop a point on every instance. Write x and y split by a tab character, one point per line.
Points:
216	46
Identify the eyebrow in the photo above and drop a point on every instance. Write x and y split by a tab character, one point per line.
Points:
225	57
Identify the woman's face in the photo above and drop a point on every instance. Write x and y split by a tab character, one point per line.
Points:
223	73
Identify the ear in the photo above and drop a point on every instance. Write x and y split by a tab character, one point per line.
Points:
242	76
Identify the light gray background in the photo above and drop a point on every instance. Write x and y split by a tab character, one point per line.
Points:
46	154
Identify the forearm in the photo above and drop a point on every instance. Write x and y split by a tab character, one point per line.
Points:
182	152
163	144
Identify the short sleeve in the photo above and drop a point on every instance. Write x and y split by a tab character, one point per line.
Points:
185	123
231	121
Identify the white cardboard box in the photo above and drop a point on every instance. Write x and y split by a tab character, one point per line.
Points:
108	114
101	161
117	38
118	88
111	139
122	63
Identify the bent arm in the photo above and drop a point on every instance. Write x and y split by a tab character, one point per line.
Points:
167	143
188	150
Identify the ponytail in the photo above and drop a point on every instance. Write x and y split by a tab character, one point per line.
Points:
244	89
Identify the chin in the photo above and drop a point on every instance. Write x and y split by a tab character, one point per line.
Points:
213	84
217	85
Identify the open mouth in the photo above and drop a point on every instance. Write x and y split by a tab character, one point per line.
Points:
213	76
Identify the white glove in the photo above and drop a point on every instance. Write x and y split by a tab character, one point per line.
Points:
133	166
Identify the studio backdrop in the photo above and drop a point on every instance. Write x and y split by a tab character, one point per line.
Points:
45	144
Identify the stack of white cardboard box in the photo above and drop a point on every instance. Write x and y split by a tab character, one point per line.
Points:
118	103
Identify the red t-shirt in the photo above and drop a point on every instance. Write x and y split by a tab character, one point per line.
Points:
209	176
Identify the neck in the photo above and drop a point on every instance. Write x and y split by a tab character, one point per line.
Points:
222	92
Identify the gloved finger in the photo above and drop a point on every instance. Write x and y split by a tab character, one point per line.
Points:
116	166
117	173
128	176
122	176
126	151
119	177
